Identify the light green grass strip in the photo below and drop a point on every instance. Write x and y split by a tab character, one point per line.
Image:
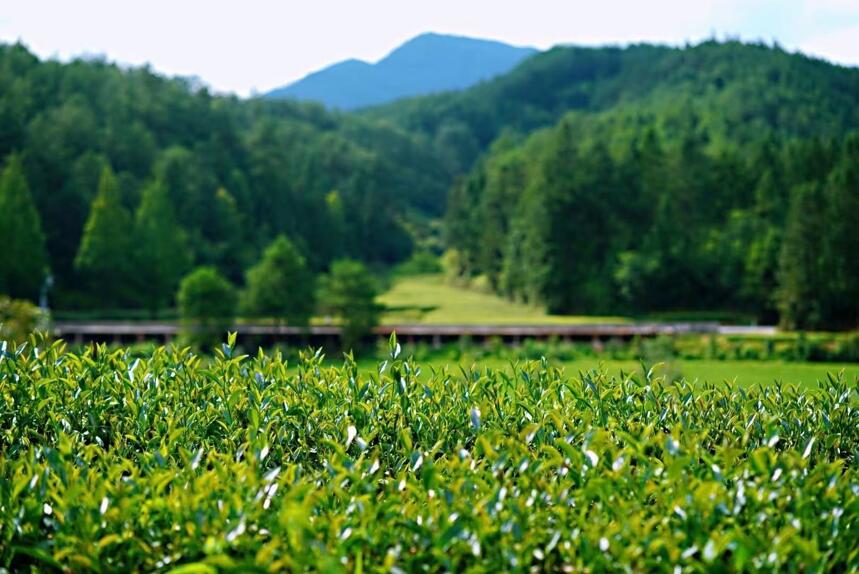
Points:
432	301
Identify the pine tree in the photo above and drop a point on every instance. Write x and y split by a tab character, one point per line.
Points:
280	285
24	261
762	253
105	254
801	281
559	181
162	254
224	242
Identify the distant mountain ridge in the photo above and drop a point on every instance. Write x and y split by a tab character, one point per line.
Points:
734	91
427	64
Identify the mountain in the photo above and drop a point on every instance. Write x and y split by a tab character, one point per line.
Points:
737	91
427	64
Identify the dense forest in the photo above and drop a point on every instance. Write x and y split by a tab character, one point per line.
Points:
109	172
721	176
666	225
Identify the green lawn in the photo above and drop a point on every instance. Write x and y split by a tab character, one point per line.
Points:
744	373
428	299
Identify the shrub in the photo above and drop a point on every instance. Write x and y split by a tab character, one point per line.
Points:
207	304
18	319
349	293
420	263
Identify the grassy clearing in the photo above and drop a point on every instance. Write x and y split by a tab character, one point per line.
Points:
429	299
742	373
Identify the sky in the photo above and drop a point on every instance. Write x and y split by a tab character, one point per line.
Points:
253	46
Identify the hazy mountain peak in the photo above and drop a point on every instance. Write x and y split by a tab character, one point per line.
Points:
426	64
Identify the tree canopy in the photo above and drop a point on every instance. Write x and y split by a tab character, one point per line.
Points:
280	285
24	261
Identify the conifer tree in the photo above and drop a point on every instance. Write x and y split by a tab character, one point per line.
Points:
280	285
104	257
800	275
24	261
162	254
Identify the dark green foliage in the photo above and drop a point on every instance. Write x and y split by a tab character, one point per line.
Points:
105	259
819	259
665	184
207	306
246	464
161	254
660	224
278	161
23	260
348	293
801	273
225	239
280	286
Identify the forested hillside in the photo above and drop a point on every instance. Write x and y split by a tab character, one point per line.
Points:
723	176
736	92
103	165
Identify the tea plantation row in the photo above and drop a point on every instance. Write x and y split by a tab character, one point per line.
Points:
177	463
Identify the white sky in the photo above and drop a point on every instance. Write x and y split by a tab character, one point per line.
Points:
242	46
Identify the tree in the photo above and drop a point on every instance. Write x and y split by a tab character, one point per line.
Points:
349	293
24	261
105	252
162	254
463	223
280	285
577	184
224	244
180	171
762	253
66	213
207	304
801	280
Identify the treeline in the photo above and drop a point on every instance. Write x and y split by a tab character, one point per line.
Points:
116	182
665	223
280	287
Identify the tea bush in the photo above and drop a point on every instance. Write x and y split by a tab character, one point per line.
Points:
176	463
18	319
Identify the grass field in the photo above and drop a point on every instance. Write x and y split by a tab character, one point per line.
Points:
428	299
743	373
